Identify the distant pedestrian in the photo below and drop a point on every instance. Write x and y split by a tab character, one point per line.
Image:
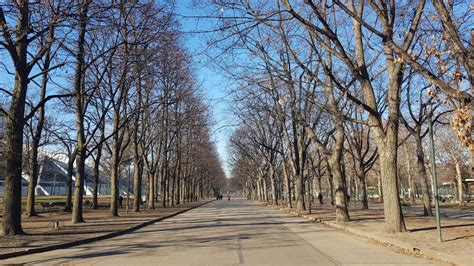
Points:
228	197
320	198
120	201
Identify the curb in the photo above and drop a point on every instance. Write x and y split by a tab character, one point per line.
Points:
96	238
419	251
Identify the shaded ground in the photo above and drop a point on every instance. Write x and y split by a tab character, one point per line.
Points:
457	227
41	230
228	233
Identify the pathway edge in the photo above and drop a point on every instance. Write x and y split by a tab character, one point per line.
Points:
96	238
406	247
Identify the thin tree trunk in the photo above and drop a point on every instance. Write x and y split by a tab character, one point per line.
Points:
362	186
95	202
114	178
411	180
137	182
69	174
420	160
79	95
30	203
459	183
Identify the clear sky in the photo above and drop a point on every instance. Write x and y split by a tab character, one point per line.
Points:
215	85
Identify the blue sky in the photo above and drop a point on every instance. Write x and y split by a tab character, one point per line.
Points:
214	84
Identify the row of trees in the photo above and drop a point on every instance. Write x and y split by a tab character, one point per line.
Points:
325	85
107	83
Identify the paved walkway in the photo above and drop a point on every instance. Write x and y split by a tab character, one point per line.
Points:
222	232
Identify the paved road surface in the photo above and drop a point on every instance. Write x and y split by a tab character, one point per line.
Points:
222	232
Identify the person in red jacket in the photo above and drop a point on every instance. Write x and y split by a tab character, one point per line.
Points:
228	196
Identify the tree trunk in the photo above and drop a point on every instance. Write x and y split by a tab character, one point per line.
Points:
287	184
274	190
342	214
95	202
362	187
331	187
394	221
265	190
80	109
30	205
411	180
69	174
11	220
420	160
79	184
114	178
299	193
137	183
459	183
33	182
151	190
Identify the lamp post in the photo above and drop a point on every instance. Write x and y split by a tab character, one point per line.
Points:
435	178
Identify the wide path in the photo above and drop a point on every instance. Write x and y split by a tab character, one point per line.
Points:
222	232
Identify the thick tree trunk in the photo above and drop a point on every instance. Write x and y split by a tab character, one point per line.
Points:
11	219
342	214
394	221
299	193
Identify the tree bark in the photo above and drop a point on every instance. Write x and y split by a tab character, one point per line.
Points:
411	180
95	202
69	174
394	221
460	188
79	97
11	220
420	160
362	186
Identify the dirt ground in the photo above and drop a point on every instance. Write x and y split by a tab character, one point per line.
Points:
40	231
457	234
